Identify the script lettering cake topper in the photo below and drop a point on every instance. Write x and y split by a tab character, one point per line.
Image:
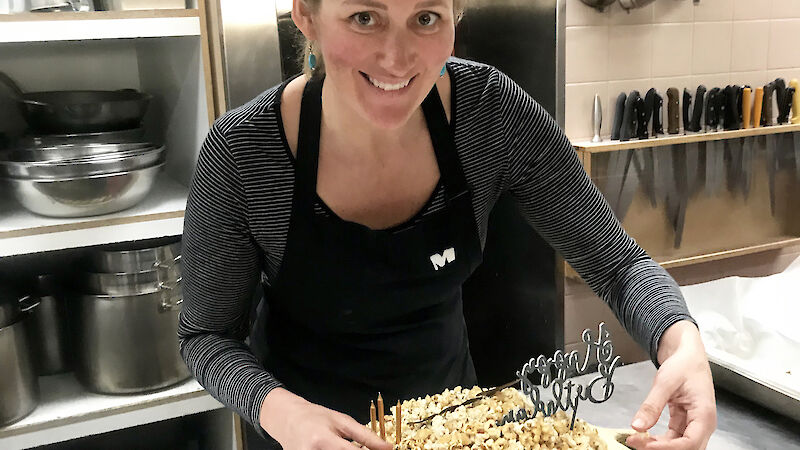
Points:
566	393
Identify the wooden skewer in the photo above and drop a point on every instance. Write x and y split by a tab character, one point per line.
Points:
373	422
381	421
398	418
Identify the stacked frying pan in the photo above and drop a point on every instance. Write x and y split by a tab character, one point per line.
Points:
85	153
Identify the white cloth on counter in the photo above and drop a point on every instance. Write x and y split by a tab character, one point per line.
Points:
752	324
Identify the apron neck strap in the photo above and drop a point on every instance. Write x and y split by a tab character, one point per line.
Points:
444	145
308	139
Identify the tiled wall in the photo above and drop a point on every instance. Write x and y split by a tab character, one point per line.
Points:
674	43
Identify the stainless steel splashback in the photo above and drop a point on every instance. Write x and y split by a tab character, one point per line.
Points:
250	49
524	39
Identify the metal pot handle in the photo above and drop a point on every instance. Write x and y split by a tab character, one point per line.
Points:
168	305
28	303
165	286
16	91
161	265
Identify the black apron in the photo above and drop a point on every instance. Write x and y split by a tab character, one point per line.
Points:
355	311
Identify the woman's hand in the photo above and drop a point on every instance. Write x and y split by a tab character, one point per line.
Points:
298	424
684	383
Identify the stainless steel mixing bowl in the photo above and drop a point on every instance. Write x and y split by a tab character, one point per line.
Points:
85	196
133	135
83	167
73	151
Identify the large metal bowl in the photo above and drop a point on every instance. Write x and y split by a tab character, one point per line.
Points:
84	111
133	135
73	151
86	196
86	167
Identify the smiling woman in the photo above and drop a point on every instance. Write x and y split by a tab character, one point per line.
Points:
360	198
459	7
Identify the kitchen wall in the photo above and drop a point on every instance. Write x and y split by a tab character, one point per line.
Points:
673	43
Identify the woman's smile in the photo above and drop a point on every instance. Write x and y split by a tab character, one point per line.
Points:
388	89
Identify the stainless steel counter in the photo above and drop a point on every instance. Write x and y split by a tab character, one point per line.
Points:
741	424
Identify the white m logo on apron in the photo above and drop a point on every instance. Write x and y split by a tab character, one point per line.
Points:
447	256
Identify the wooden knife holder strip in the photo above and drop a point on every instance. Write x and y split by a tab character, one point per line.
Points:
667	140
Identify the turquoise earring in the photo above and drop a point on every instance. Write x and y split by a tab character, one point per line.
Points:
444	69
312	58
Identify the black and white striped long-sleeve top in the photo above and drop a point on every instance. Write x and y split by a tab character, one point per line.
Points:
237	220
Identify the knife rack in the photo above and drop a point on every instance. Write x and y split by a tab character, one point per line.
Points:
735	192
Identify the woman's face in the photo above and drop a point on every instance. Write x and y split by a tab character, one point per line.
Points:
384	56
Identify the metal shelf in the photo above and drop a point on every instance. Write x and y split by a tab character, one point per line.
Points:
611	146
67	411
160	214
77	26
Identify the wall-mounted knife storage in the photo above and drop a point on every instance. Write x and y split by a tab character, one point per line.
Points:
667	140
695	200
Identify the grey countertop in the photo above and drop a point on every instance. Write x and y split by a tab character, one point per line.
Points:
741	424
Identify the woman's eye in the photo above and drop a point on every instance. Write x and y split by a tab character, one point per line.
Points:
427	19
363	18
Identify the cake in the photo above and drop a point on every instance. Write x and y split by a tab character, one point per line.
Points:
475	426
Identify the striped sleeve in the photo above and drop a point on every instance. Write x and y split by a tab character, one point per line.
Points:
560	201
221	266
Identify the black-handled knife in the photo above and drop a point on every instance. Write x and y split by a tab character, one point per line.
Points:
786	106
642	118
697	113
687	105
732	108
673	113
650	104
766	106
658	108
628	129
619	112
712	114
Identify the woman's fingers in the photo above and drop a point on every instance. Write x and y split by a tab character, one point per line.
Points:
664	386
353	430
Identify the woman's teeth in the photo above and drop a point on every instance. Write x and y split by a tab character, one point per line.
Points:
387	86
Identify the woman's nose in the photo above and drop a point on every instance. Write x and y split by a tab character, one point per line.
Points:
399	53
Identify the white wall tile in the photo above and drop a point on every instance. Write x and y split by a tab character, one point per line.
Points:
675	43
578	13
630	52
786	74
639	16
785	9
586	54
752	9
713	10
749	45
580	100
712	47
672	49
753	79
710	81
670	11
784	50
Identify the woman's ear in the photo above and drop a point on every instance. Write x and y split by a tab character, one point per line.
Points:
301	15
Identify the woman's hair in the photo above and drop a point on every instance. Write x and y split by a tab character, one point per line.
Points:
458	12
